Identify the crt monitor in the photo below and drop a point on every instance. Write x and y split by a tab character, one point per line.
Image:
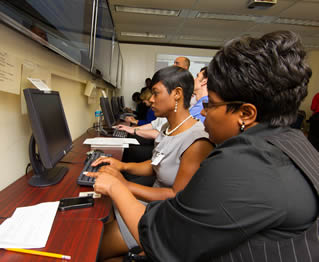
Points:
109	119
50	135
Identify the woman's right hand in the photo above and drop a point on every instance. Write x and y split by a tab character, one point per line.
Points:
127	129
131	119
119	165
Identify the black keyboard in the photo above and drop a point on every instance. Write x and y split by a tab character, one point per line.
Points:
113	132
119	133
84	180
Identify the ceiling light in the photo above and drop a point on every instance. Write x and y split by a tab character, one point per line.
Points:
311	45
206	15
150	35
146	11
257	19
296	22
199	38
188	13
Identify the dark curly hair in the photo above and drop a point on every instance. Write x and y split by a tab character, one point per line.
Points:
174	76
269	72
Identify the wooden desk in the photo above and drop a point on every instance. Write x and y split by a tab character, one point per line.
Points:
78	238
75	232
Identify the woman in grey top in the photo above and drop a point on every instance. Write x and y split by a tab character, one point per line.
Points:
179	150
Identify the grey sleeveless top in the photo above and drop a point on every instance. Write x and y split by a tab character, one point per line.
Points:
168	151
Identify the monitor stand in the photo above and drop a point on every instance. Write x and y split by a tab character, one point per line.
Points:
108	132
49	177
42	176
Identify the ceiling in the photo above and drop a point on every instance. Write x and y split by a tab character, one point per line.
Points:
186	29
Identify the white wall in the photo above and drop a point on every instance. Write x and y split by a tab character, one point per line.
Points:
139	63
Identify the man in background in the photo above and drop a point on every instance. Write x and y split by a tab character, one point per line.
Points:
200	93
182	62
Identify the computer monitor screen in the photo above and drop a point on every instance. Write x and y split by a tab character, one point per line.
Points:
109	119
115	107
51	135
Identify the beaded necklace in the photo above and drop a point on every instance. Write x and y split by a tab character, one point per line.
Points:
179	125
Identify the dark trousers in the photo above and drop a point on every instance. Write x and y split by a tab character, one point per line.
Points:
139	153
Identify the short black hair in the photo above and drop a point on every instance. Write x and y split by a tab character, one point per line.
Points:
204	69
136	96
269	72
174	76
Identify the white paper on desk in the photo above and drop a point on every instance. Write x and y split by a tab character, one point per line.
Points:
29	227
110	146
110	141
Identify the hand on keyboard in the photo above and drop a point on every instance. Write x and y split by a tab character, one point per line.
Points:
125	128
109	160
100	166
84	180
105	180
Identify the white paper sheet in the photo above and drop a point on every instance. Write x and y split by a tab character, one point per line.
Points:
110	141
109	146
29	227
10	72
38	83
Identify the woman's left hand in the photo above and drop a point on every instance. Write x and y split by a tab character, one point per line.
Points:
113	172
106	179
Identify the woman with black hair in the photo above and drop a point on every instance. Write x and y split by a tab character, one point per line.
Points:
255	198
178	151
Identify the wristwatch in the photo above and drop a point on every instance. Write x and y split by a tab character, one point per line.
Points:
135	129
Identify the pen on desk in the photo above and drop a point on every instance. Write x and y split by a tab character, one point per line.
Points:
39	253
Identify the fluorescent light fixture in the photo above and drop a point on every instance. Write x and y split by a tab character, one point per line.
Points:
296	22
206	15
200	38
311	46
149	35
258	19
146	11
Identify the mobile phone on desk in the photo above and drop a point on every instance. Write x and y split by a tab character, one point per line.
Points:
75	202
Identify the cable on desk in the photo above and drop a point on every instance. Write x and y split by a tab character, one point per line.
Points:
69	162
26	169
